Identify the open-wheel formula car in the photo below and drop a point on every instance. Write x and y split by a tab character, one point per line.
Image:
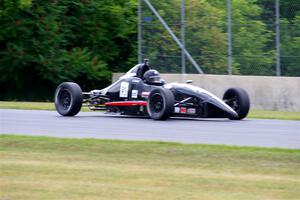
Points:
142	92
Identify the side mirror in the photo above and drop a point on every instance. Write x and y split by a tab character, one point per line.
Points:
189	81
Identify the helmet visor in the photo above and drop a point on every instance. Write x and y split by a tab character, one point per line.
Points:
154	79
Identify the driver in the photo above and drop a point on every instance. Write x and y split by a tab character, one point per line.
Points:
152	77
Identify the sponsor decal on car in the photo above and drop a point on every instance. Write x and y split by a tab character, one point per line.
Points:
134	94
183	110
124	89
191	111
135	81
141	108
145	94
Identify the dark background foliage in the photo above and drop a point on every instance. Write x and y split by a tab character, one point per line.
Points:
46	42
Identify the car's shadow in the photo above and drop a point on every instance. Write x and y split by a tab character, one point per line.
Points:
103	115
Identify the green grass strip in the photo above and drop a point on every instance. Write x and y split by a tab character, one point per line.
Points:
27	105
269	114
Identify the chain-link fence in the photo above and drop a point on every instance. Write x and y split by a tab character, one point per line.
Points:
264	42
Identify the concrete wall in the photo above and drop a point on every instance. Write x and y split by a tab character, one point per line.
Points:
267	93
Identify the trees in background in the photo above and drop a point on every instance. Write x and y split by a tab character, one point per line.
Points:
253	36
45	42
206	37
289	33
290	46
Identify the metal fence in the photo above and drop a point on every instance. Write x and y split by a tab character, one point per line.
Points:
221	36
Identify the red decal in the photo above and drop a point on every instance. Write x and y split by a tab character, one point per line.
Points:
182	109
145	94
126	103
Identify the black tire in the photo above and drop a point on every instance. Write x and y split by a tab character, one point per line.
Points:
160	104
238	100
68	99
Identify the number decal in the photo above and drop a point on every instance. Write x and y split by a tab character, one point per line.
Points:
134	94
124	89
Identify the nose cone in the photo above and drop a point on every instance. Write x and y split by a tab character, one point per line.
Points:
234	114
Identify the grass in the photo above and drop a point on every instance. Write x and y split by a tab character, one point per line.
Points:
52	168
268	114
27	105
262	114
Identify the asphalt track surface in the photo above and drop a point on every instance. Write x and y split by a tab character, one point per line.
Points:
248	132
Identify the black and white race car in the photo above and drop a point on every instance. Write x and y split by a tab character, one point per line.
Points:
142	92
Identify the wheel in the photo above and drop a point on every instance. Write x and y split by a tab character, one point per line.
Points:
68	99
160	104
238	100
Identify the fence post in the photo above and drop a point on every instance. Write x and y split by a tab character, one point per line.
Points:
229	38
278	67
139	31
182	30
165	25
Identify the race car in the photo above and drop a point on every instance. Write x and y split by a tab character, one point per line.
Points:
142	92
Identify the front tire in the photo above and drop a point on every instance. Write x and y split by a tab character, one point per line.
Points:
160	104
238	100
68	99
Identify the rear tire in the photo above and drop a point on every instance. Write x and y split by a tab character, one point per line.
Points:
238	100
68	99
160	104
